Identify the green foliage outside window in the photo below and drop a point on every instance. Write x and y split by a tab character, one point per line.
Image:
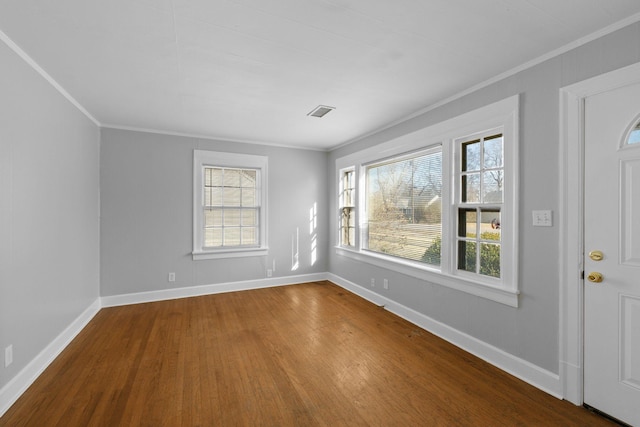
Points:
490	255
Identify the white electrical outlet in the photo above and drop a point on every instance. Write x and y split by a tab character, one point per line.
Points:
542	218
385	284
373	282
8	356
269	272
171	277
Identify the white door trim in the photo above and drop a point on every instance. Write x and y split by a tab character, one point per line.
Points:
571	216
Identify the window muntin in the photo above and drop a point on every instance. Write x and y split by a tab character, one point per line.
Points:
479	235
229	205
347	218
404	207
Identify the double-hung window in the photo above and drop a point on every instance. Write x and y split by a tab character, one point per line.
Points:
439	204
229	205
347	217
480	199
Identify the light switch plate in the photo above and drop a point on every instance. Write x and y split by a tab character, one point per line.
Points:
542	218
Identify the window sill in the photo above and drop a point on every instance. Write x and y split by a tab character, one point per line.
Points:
230	253
491	292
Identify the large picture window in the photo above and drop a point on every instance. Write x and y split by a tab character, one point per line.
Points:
229	205
439	204
404	206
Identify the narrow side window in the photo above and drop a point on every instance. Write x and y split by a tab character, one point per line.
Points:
347	214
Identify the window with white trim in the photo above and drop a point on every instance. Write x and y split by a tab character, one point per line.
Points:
347	217
403	206
479	203
440	204
229	205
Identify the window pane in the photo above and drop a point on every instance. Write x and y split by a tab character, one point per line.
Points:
467	256
248	178
231	218
249	236
404	210
347	189
212	237
490	224
467	223
207	196
231	196
212	217
492	186
249	217
347	222
347	199
231	178
213	177
216	177
471	188
231	236
213	196
248	197
490	259
634	137
493	152
471	156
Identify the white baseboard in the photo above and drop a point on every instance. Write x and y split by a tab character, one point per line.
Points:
546	381
14	388
193	291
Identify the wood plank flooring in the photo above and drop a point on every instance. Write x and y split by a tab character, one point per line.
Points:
305	355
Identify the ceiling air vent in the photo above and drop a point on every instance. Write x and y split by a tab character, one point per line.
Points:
320	111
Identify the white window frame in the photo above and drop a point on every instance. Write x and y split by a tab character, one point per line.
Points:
502	115
342	205
203	159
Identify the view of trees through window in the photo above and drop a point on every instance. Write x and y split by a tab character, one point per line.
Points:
479	211
404	206
347	209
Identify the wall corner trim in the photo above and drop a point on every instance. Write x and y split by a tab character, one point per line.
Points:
540	378
38	69
19	384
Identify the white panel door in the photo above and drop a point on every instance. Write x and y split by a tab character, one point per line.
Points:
612	227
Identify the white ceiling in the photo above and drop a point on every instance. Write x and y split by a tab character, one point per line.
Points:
251	70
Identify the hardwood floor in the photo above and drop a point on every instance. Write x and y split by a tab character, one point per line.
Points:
306	355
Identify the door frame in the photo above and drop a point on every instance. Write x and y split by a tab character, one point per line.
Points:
571	223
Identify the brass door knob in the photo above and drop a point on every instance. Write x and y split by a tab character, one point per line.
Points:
596	255
595	277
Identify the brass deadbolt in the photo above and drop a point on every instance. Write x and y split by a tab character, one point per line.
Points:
595	277
596	255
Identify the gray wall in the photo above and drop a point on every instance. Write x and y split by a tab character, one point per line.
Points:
147	213
49	212
530	331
